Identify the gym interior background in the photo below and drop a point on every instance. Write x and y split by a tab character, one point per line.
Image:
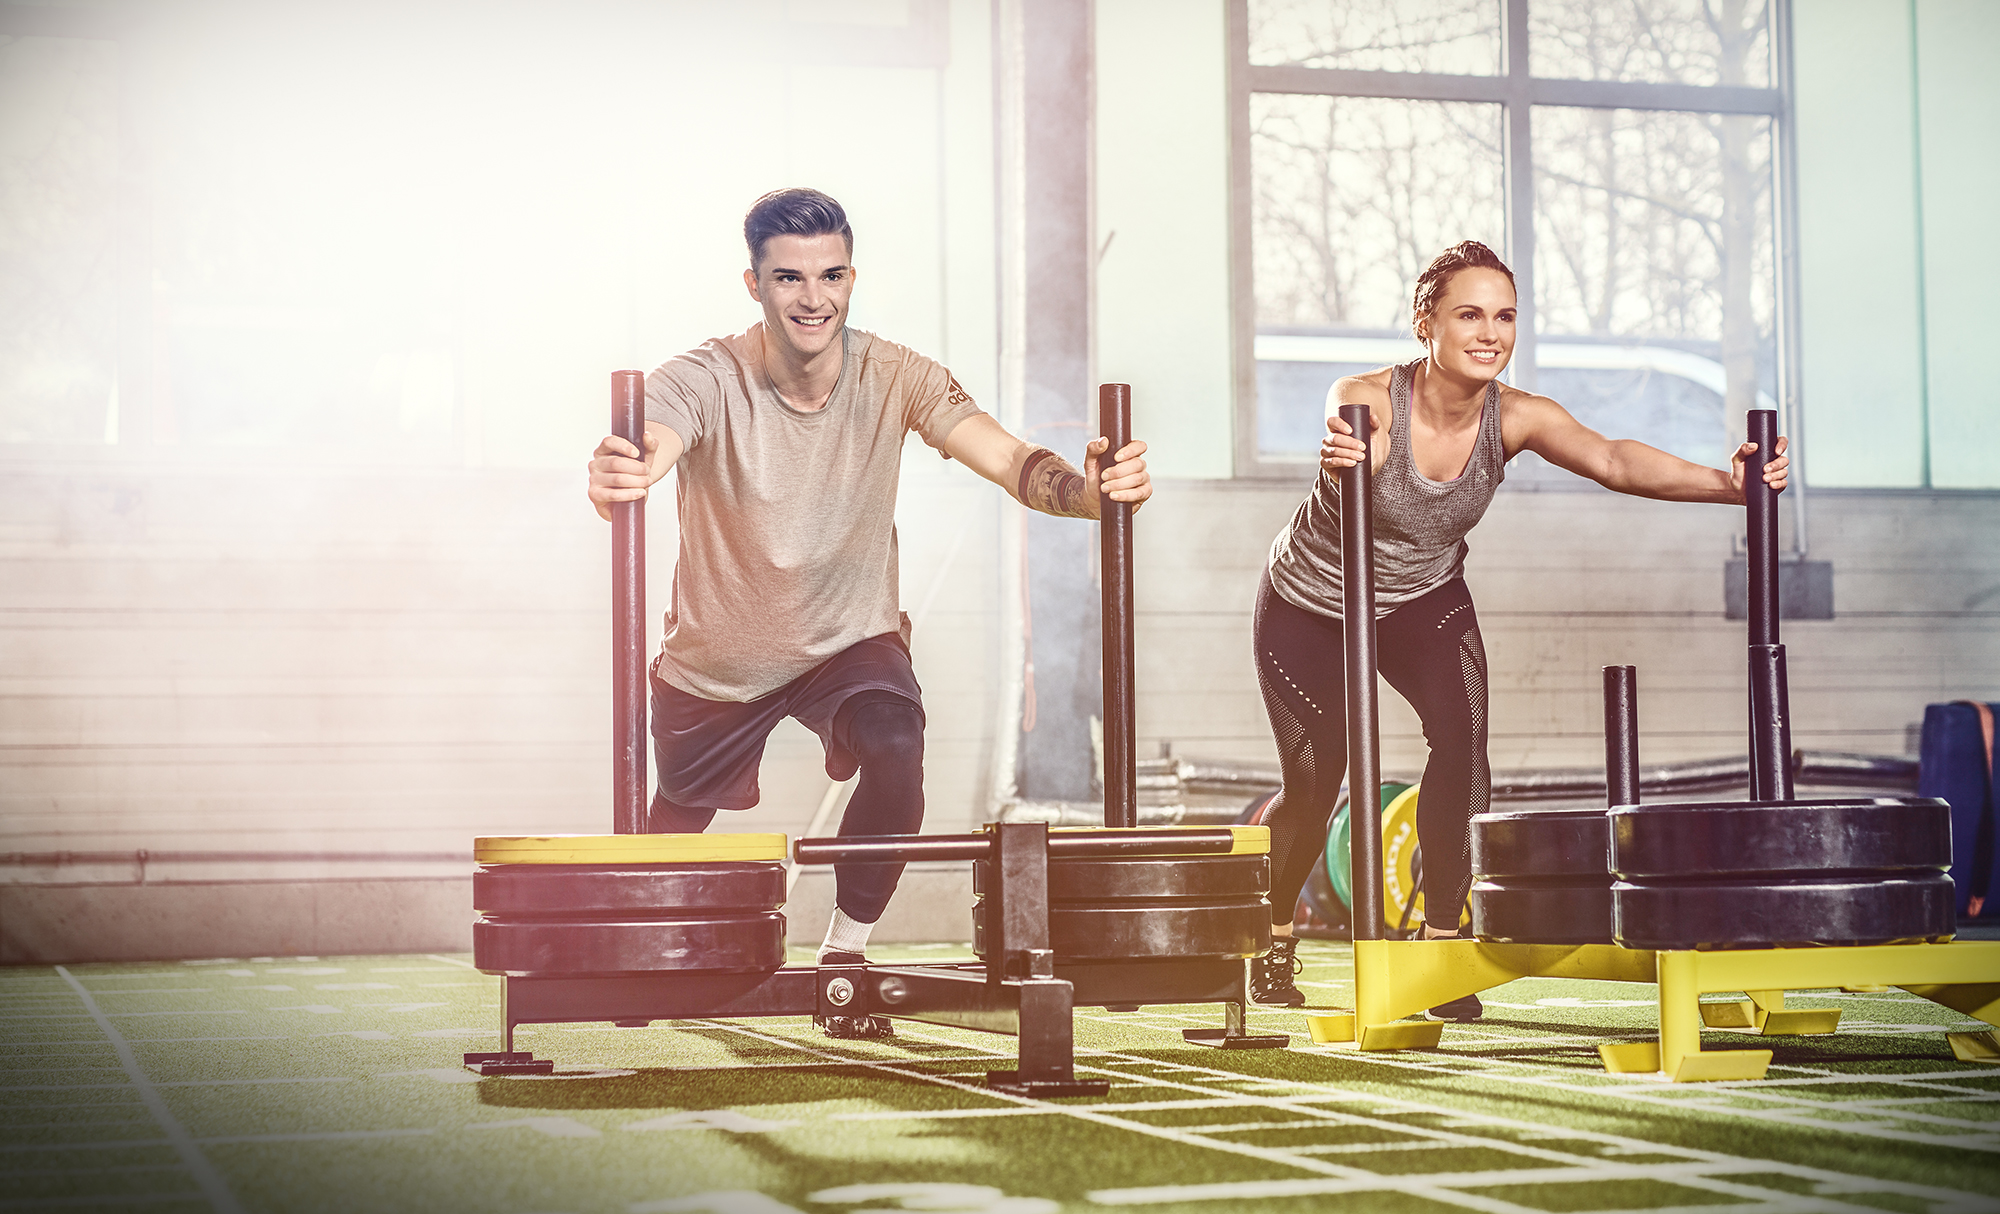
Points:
307	313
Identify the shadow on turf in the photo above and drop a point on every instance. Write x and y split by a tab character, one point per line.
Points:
1843	1048
724	1088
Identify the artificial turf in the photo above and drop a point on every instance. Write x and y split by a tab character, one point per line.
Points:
334	1084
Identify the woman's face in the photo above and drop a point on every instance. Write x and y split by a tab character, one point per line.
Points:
1471	334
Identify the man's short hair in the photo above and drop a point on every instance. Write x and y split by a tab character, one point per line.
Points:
794	212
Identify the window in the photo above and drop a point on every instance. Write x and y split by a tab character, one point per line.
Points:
1623	158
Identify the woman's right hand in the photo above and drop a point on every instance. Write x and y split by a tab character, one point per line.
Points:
1340	449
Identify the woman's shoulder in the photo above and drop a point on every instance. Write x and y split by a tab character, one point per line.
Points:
1519	401
1368	388
1524	414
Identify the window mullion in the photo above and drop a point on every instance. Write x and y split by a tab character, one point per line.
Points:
1518	167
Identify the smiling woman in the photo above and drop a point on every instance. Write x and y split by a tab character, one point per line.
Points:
1443	428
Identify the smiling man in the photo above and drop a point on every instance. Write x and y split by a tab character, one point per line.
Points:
789	441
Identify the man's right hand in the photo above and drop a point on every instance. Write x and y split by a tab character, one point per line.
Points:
619	474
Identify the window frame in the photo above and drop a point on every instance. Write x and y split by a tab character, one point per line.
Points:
1517	91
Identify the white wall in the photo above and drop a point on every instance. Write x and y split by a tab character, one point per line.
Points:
1958	100
1899	164
1859	306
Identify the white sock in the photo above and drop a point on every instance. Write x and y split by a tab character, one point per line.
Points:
845	935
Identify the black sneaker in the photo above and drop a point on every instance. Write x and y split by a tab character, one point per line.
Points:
855	1028
852	1028
1271	975
1468	1008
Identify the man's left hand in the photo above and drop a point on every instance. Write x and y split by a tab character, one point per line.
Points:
1126	480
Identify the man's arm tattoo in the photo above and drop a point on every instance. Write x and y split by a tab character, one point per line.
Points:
1052	485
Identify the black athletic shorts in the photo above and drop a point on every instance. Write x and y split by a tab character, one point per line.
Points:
707	751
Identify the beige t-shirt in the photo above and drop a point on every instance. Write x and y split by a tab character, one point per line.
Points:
787	518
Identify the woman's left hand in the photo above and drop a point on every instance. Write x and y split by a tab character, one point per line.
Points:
1774	472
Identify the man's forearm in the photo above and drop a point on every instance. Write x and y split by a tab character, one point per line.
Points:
1051	484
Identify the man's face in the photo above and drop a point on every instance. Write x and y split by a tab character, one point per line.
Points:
803	283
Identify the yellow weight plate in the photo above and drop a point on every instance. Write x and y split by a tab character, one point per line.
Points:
1399	852
627	849
1249	840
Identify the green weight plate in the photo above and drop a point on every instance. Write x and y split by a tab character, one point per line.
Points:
1339	845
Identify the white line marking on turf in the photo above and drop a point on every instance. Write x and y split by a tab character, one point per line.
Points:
1711	1100
554	1127
1579	1167
1412	1185
1370	1148
1240	1127
1652	1090
1170	1134
206	1178
1946	1199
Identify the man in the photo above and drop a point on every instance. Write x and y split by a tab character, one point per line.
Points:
789	440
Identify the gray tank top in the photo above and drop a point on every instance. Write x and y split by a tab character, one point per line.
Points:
1420	524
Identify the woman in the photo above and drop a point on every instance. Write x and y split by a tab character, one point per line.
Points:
1444	428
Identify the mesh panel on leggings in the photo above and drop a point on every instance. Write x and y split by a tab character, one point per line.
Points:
1472	660
1301	772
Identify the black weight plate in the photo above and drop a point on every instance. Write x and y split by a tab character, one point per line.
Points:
1542	843
1231	929
1112	879
1221	930
1749	838
1747	913
1555	912
581	888
600	945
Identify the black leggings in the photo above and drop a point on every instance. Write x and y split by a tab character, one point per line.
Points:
886	733
1431	652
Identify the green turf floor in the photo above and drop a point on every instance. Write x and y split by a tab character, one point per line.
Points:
333	1084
